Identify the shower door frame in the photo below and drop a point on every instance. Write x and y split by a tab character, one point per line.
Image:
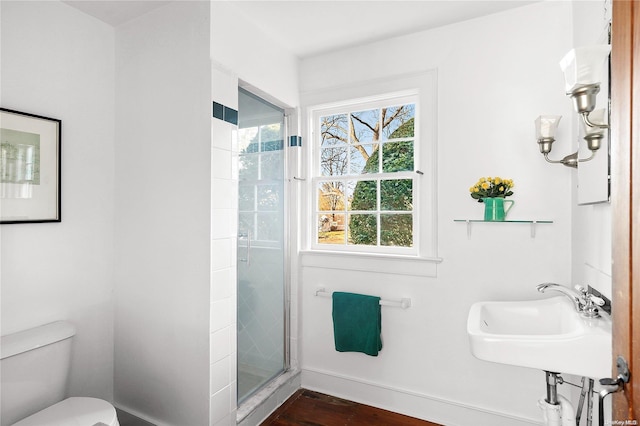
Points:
288	113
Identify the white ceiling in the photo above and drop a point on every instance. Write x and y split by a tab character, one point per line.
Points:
308	27
116	12
315	26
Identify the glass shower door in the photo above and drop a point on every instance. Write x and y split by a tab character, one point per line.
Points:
261	243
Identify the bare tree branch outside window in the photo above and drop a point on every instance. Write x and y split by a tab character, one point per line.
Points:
350	145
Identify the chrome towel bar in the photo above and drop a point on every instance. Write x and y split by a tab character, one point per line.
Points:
403	303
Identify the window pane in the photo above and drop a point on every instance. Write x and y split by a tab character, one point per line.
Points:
396	230
364	159
331	229
399	121
396	195
363	229
331	196
334	161
397	157
365	125
364	195
333	130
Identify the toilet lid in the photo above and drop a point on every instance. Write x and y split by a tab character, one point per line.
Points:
74	412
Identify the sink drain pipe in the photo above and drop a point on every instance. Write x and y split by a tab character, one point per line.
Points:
552	388
556	409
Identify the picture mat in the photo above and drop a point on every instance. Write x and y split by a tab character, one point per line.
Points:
42	203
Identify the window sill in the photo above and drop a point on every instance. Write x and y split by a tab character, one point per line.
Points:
391	264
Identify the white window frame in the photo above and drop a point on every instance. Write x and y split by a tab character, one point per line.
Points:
421	259
377	102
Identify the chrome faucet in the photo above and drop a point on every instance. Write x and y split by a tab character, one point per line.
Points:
584	302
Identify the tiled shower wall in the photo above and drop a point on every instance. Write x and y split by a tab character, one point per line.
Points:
224	213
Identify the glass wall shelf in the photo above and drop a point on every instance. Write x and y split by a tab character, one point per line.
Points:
533	224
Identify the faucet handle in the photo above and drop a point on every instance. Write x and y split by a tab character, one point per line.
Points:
581	290
590	309
595	299
589	303
589	297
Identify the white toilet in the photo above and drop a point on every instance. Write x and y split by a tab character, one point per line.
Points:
35	369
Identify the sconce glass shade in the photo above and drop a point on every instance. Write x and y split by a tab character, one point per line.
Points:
584	66
546	126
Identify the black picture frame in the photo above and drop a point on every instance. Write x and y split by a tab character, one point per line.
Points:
30	168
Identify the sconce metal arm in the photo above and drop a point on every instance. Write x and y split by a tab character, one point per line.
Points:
582	160
585	118
570	160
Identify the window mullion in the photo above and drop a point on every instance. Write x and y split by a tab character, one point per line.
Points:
378	217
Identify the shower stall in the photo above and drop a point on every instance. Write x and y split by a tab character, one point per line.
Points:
262	246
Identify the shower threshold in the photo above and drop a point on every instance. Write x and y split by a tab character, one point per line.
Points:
260	405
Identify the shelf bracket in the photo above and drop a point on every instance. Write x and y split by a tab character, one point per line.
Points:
468	229
533	228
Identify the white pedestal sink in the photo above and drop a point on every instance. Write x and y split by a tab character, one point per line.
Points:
546	334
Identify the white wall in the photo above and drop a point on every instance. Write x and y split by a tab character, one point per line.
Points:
495	76
163	204
240	48
59	62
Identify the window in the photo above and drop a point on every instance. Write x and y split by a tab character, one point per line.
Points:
366	177
370	201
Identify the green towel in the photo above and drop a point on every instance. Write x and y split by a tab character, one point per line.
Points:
357	322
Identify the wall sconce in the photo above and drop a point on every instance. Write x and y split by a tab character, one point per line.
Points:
546	126
582	68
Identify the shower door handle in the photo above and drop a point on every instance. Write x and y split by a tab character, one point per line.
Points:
247	255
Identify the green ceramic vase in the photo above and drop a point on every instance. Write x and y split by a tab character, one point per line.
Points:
494	209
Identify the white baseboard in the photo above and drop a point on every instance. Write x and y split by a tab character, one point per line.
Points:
441	411
136	418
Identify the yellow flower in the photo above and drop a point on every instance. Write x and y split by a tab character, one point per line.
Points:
490	187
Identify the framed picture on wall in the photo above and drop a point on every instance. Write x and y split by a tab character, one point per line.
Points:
30	148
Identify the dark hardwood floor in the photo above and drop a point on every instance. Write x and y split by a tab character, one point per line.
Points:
310	408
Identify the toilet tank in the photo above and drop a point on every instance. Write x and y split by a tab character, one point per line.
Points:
34	369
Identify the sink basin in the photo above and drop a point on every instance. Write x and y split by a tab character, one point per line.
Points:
546	334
